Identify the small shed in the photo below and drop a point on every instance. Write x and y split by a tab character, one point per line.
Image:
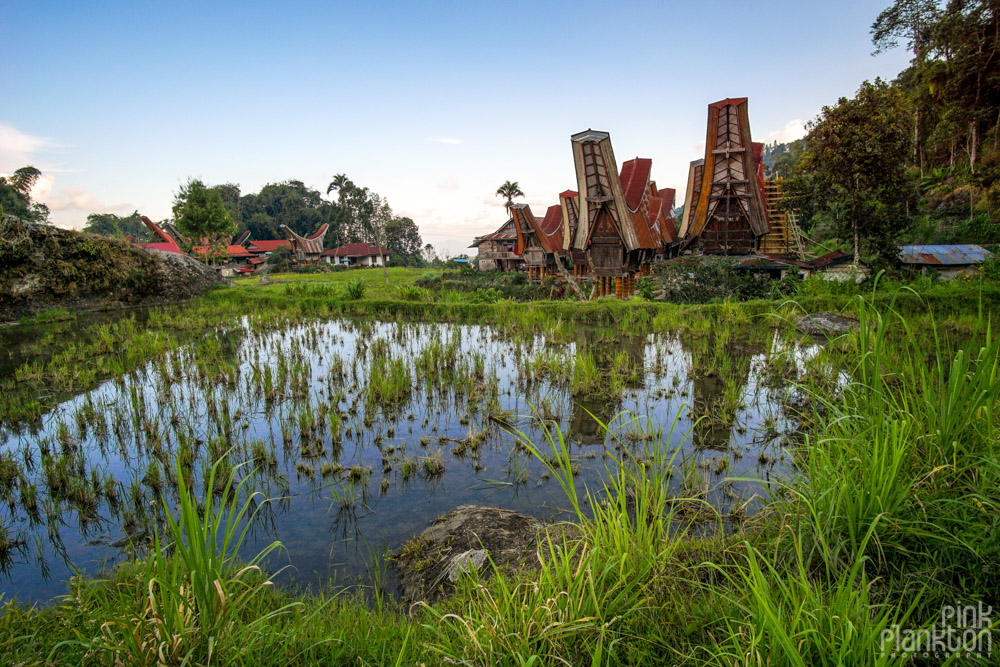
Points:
950	261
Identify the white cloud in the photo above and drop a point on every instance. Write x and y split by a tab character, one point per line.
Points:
794	129
18	149
69	205
448	184
444	140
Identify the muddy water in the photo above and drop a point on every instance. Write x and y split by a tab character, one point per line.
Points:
298	399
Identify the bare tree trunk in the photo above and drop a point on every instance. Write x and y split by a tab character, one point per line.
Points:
974	145
857	232
385	272
570	280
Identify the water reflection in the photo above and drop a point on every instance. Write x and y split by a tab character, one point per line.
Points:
361	432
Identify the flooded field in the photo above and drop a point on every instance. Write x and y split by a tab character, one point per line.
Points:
361	432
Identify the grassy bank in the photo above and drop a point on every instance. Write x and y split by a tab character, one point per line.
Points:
893	514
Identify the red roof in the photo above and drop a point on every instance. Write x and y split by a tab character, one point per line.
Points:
256	260
166	242
634	177
232	251
734	101
356	250
269	245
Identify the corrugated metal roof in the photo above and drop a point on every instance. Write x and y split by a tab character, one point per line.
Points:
943	255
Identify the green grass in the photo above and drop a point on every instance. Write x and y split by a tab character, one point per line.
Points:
893	512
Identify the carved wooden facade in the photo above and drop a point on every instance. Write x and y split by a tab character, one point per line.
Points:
539	240
498	251
623	221
725	212
307	249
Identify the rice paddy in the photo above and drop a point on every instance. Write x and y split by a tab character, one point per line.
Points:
735	494
363	431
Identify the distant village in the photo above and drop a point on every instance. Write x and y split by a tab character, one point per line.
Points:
617	225
243	255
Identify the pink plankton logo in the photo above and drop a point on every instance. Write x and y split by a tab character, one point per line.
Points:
963	631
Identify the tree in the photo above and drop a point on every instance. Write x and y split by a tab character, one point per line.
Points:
200	214
111	225
854	167
509	191
291	203
15	195
430	254
376	224
402	238
230	193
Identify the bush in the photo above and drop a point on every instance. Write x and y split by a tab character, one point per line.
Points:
429	279
355	289
490	295
701	281
412	293
644	288
990	269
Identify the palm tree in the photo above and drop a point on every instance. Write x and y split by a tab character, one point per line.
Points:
508	191
339	184
22	180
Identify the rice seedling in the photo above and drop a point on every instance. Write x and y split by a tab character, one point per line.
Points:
432	465
196	590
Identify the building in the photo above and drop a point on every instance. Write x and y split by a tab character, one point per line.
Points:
498	251
949	261
725	213
622	226
539	240
228	259
165	241
836	266
307	249
357	254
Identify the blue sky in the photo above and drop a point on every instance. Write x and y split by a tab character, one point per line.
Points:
433	105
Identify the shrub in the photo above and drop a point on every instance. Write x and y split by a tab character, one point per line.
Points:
644	288
990	269
412	293
481	295
355	289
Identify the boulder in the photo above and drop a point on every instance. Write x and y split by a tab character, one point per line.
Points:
469	538
826	324
44	267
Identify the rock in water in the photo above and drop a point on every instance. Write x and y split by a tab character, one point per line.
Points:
826	324
467	561
44	267
465	539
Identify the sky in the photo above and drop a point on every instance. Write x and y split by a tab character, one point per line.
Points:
433	104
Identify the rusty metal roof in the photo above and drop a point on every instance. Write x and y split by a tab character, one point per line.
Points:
943	255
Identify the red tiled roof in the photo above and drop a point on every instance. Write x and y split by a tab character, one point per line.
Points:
256	260
634	178
568	194
356	250
268	245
